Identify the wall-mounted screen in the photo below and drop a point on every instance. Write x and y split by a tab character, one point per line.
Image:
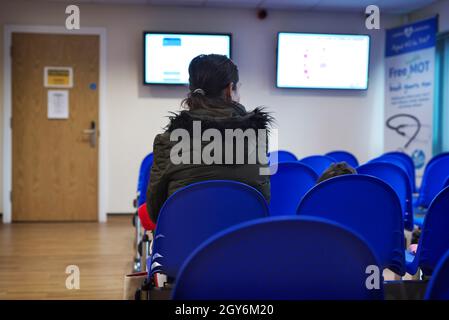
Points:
322	61
167	55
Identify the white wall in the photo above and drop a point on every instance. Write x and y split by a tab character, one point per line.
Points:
309	121
440	7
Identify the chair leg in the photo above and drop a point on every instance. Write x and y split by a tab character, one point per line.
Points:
145	252
143	293
136	265
150	238
138	236
138	231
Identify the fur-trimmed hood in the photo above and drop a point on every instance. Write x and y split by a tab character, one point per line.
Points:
256	119
168	176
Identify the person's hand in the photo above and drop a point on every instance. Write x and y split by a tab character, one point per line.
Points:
413	248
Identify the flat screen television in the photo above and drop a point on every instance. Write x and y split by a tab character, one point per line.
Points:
322	61
167	55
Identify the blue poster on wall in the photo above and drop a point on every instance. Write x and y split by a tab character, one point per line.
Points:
409	89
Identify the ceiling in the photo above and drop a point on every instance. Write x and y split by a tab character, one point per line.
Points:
386	6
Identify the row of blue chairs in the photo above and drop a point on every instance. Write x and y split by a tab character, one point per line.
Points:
293	180
347	197
333	156
398	158
319	163
436	176
280	258
291	183
293	188
197	212
311	176
303	183
329	261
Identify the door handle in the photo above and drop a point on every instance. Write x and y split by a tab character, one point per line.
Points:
92	132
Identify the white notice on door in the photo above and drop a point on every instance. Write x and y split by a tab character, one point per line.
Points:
58	104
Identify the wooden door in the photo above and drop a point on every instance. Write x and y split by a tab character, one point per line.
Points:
54	162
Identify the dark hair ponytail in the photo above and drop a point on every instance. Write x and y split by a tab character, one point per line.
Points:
209	75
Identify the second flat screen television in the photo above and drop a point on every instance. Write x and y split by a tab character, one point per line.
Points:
322	61
167	55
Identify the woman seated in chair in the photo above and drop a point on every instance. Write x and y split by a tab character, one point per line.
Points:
215	138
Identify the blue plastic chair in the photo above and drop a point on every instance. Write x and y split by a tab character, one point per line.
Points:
366	205
398	180
281	156
410	165
318	163
433	181
446	183
429	163
438	287
397	162
341	155
288	185
419	219
144	179
400	162
279	258
434	240
195	213
437	157
141	238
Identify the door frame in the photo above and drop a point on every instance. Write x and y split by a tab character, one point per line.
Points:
7	112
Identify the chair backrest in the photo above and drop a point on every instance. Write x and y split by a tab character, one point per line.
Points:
408	161
288	185
398	180
341	155
279	258
144	178
433	181
434	240
438	287
281	156
196	212
397	161
436	157
318	163
366	205
446	183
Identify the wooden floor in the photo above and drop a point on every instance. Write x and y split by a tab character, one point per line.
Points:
34	257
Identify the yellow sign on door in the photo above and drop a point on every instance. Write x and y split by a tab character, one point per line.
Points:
58	77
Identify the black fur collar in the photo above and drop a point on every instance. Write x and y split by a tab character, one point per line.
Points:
256	119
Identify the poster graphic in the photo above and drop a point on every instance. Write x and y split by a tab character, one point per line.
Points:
409	90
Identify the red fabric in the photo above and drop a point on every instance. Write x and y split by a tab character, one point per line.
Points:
145	220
